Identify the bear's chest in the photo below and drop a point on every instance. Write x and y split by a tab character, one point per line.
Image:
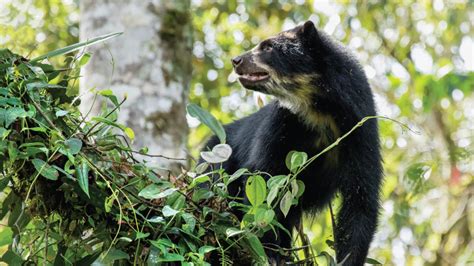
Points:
270	148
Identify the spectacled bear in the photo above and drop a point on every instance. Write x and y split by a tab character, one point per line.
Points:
321	92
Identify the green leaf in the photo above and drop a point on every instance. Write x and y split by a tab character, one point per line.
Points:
125	239
9	101
286	202
372	261
168	257
12	151
129	132
190	222
236	175
219	154
272	194
36	129
6	236
202	194
263	216
207	119
140	235
83	177
45	169
10	115
11	258
200	168
414	177
42	85
288	159
4	182
156	219
60	113
4	133
162	244
64	172
301	188
73	145
84	59
176	201
199	180
230	232
108	122
294	187
297	160
277	181
110	95
256	248
88	260
164	193
168	211
77	46
256	190
113	255
206	249
109	201
154	191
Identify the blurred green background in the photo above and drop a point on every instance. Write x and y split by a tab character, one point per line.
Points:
419	58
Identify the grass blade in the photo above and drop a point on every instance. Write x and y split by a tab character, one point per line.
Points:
76	46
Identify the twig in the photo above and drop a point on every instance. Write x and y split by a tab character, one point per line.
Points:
108	114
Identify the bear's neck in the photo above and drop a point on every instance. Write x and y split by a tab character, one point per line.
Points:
313	119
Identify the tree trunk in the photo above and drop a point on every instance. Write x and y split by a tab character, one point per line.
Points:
150	62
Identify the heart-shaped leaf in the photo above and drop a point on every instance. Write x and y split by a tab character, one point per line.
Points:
219	154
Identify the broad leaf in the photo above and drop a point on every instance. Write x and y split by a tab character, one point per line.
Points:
168	211
154	191
256	190
285	203
73	145
45	169
219	154
236	175
256	247
207	119
230	232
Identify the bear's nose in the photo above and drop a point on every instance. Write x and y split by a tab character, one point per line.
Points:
236	61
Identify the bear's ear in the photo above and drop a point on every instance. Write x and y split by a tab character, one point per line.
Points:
308	31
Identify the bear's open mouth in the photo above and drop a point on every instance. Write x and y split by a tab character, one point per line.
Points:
254	77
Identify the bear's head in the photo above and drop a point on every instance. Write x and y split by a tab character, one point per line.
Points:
287	65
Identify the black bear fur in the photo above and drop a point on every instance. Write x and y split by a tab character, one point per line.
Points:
321	92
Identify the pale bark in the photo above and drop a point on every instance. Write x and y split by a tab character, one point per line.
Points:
150	62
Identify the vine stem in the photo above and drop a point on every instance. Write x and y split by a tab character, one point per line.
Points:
108	114
338	140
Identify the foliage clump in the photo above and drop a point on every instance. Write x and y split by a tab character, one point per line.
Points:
74	193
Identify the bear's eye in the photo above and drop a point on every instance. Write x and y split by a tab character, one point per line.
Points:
266	46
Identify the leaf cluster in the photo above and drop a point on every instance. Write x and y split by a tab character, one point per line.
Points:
73	192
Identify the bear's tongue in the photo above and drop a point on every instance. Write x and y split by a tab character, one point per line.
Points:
255	76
